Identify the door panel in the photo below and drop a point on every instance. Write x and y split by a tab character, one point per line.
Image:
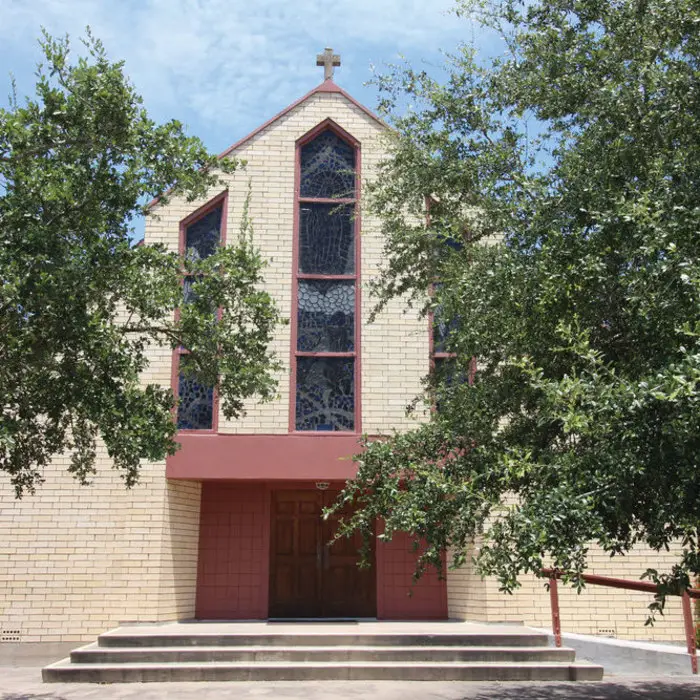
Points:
309	577
348	591
294	577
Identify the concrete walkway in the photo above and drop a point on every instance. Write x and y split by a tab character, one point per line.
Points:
25	684
20	679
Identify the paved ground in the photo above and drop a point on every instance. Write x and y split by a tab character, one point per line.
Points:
25	684
20	679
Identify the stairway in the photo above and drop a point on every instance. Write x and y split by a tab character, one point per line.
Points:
419	651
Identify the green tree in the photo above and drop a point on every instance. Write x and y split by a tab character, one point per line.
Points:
80	306
564	229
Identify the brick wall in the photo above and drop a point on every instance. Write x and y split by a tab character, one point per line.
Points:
597	610
179	550
466	593
75	560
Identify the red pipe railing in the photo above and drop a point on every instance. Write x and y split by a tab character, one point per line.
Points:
644	586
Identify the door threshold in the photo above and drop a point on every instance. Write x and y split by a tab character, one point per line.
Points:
322	620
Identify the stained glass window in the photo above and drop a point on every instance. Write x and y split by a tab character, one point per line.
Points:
187	292
325	382
326	316
325	397
190	296
442	328
327	239
447	371
328	167
195	409
202	236
444	369
449	375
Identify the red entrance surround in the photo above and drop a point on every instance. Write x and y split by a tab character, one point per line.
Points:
398	598
234	559
313	457
234	544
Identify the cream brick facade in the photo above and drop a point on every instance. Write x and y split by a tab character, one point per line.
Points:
394	349
75	561
597	610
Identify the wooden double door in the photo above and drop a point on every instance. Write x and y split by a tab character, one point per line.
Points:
309	577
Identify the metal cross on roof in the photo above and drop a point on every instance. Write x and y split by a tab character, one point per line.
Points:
328	59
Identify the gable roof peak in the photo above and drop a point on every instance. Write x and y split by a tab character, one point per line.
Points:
326	86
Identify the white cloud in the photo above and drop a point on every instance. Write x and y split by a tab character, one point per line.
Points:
234	62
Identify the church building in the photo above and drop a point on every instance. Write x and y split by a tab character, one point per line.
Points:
229	528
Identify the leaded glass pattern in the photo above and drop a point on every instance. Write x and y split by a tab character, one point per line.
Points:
190	296
325	393
328	168
446	371
195	410
448	376
202	236
187	291
442	329
326	316
325	313
326	239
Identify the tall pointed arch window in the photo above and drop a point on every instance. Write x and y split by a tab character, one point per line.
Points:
201	234
443	361
325	296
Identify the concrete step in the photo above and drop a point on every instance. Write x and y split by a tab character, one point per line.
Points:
480	639
94	654
295	652
65	671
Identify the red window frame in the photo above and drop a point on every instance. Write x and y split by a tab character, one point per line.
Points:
326	125
431	316
222	201
433	356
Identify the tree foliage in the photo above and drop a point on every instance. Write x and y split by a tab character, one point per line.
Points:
80	306
564	231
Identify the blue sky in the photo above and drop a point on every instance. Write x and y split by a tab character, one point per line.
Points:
225	66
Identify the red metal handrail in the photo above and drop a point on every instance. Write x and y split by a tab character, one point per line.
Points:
645	586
